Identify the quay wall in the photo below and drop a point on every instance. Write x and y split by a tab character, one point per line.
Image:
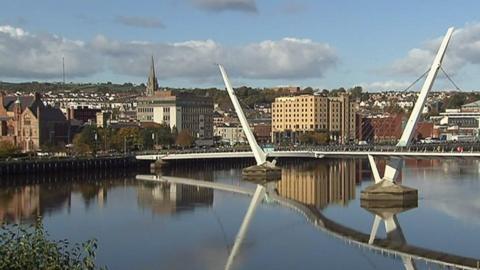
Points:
66	164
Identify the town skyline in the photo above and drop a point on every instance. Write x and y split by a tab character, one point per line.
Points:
381	50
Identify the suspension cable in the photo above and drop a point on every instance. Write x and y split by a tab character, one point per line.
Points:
451	80
415	82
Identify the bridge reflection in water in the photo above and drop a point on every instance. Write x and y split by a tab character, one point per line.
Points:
308	190
307	187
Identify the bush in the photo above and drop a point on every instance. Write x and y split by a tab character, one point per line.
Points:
25	247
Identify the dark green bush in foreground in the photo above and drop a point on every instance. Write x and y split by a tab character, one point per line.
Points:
27	247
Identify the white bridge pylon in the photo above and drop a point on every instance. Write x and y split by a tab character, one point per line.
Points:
260	155
394	165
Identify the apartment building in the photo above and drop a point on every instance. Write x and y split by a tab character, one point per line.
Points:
295	115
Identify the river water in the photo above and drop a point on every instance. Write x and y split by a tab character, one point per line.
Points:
146	225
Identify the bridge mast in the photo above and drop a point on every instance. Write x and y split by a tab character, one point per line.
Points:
385	189
260	156
409	130
394	166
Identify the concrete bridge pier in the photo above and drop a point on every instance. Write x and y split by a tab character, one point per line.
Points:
263	172
386	192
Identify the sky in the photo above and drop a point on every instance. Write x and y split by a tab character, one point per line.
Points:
379	45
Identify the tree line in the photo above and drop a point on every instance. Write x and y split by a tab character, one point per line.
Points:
93	139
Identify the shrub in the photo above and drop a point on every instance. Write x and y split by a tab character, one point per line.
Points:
25	247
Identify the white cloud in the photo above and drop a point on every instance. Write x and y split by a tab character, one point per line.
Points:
286	58
12	31
464	49
24	55
224	5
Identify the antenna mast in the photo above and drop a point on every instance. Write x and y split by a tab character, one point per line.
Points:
63	71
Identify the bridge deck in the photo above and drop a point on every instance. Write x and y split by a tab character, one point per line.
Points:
309	154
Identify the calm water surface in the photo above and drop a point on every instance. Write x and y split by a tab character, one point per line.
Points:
145	225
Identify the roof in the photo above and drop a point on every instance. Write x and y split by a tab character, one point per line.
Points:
48	112
9	102
472	104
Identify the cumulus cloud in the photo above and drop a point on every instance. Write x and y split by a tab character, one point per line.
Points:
286	58
24	55
464	49
141	22
224	5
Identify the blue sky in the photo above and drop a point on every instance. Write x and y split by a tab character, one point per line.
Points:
376	44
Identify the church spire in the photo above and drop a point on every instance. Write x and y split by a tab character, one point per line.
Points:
152	84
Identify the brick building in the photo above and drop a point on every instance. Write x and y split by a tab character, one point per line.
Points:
30	124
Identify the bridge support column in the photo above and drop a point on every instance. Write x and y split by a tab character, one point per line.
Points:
386	192
387	189
264	170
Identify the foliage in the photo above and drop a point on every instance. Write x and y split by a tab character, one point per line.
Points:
456	100
128	137
184	138
314	138
84	141
28	247
162	136
8	149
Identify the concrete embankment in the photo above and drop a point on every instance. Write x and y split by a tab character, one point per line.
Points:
66	164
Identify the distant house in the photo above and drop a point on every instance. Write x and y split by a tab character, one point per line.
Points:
30	124
471	107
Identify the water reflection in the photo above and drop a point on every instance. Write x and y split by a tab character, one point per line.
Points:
45	194
320	184
171	198
308	187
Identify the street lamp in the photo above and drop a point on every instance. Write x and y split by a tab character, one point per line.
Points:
153	140
95	136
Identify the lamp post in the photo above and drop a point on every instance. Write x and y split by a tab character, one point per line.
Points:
125	145
96	138
153	140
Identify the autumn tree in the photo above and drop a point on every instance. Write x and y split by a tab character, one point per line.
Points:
184	138
8	149
85	141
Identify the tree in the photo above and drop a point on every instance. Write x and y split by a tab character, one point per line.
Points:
356	92
162	135
184	138
314	137
86	141
8	149
28	247
456	100
128	137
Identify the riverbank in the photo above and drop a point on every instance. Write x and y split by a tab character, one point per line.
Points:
25	166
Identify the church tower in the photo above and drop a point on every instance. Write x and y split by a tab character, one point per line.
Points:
152	84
